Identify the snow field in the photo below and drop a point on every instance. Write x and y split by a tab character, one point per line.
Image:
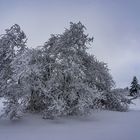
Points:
102	125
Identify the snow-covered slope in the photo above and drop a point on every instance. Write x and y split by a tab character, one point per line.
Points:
104	125
135	105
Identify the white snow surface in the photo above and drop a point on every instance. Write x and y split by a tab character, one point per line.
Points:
135	105
101	125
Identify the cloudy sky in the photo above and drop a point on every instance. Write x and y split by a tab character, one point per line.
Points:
115	25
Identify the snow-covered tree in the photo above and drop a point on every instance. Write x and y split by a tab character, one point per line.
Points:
12	43
67	72
74	76
134	89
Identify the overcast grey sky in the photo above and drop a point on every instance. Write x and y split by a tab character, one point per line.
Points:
115	25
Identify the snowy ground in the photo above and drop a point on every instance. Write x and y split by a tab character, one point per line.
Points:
136	105
104	125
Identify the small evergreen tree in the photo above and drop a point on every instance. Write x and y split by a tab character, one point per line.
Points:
134	89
